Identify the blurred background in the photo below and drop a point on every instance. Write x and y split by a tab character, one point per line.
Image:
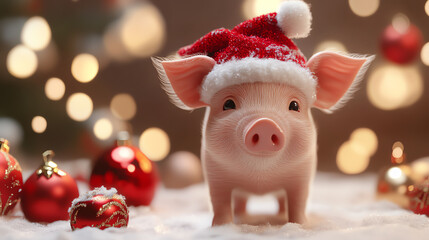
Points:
73	73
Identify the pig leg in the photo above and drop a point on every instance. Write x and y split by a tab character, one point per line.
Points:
297	201
282	205
221	202
240	205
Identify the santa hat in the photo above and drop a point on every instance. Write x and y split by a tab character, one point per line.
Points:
258	50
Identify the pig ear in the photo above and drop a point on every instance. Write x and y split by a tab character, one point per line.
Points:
182	79
337	77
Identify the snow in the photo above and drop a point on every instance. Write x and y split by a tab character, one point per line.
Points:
86	196
341	207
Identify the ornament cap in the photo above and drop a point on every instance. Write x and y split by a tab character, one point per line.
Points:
4	145
49	167
123	139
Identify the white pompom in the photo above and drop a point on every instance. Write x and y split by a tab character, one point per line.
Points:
294	18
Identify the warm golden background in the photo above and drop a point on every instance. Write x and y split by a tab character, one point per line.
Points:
98	53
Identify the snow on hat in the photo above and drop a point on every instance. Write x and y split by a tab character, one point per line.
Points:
258	50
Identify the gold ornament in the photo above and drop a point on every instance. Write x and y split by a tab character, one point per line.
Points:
4	145
394	181
49	167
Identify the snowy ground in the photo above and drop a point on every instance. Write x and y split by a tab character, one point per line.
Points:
341	207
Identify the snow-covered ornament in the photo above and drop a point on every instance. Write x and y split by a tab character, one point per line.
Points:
99	208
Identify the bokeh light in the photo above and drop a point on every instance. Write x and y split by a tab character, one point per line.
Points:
131	168
398	156
427	8
113	44
391	87
397	152
100	129
351	158
400	23
395	175
39	124
123	106
79	107
330	45
154	142
55	89
103	129
142	30
398	144
424	54
420	169
366	139
21	62
84	67
254	8
36	33
364	8
11	130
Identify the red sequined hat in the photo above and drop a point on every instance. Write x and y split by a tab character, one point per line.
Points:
258	47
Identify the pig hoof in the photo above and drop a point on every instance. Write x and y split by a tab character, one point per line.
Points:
220	221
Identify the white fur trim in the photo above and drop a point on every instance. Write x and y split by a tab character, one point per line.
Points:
250	70
294	18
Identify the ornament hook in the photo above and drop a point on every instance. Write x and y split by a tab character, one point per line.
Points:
48	155
123	138
49	167
4	145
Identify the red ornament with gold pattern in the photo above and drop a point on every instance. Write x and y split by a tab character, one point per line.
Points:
419	197
48	192
100	208
127	169
10	179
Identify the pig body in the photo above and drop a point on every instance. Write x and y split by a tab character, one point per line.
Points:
230	165
258	134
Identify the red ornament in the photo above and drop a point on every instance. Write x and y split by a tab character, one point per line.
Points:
401	46
10	179
127	169
100	208
419	197
48	193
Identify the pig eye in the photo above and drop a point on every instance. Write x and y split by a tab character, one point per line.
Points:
294	106
229	104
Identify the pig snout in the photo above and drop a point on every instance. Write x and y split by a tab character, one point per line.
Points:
263	135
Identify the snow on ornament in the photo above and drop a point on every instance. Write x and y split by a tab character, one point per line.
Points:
48	192
100	208
10	179
127	169
401	41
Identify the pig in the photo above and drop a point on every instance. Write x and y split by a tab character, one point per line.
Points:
258	134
